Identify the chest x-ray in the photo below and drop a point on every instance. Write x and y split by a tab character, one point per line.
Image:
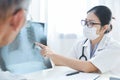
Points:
21	56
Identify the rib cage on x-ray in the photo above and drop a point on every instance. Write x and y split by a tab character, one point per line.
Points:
13	47
30	37
24	45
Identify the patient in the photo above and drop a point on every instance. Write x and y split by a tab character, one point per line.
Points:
21	56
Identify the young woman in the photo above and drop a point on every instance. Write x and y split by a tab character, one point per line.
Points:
100	52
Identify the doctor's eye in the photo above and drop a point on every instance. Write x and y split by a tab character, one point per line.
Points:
88	23
91	24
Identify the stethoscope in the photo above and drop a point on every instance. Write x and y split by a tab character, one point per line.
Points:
83	55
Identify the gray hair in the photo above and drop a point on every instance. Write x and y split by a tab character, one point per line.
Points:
12	6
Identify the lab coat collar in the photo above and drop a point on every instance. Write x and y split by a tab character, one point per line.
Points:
103	42
101	45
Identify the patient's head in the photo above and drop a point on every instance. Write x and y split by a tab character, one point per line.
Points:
12	18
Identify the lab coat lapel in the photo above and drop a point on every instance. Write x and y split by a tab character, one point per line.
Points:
101	45
87	49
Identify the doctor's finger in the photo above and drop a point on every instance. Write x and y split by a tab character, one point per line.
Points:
41	45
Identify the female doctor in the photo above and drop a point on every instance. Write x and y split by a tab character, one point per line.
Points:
96	53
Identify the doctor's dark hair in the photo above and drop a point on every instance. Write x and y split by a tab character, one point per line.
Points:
104	14
9	7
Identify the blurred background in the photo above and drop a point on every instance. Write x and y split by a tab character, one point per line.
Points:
62	20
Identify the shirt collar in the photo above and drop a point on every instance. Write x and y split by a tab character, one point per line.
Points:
101	45
103	42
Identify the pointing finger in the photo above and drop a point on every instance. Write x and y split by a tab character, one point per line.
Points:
39	44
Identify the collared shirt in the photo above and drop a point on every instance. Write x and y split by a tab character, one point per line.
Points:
92	51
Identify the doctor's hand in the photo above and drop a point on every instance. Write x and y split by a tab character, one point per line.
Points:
45	50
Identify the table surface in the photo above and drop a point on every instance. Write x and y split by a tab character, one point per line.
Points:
59	73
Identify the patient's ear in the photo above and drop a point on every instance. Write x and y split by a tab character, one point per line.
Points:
17	20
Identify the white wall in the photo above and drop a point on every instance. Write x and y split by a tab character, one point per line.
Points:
37	10
63	16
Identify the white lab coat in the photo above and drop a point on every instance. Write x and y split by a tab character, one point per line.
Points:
106	57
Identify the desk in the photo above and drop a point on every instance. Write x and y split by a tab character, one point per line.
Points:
107	76
59	73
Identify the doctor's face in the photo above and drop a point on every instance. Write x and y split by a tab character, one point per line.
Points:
93	21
